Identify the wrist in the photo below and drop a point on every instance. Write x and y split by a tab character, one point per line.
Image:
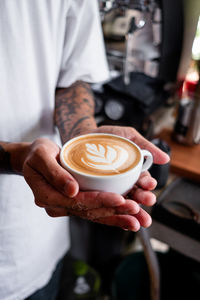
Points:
85	130
15	154
87	126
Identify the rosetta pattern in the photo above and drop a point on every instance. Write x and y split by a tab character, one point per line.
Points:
108	158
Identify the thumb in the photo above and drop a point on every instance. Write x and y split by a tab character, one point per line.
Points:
45	161
60	178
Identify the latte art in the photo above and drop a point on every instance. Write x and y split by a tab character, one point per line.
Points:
101	155
109	158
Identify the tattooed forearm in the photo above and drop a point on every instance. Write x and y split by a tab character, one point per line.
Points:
5	163
74	110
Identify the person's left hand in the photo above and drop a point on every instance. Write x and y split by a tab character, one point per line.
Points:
141	192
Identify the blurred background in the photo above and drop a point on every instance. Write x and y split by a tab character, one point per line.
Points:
153	52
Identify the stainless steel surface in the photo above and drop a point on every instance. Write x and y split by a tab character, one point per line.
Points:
142	5
138	24
134	25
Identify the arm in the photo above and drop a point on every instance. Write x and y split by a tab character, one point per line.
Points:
56	190
53	187
74	110
74	114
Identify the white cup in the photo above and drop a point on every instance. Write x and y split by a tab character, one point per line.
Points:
118	183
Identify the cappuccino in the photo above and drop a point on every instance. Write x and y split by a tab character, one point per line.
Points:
101	155
105	162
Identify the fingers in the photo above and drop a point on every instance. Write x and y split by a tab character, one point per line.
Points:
159	157
141	192
46	195
44	159
130	207
146	182
56	212
143	197
55	190
128	217
143	218
125	222
95	199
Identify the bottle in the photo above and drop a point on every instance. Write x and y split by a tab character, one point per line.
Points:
187	124
193	135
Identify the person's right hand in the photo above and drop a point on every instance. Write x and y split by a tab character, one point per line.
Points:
58	192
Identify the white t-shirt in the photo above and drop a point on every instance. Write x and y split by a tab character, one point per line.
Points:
43	44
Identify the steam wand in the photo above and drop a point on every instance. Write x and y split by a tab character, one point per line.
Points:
128	39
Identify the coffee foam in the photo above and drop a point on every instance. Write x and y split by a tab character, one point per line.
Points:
101	155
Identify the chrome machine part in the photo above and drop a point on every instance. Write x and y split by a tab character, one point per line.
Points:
133	26
135	23
142	5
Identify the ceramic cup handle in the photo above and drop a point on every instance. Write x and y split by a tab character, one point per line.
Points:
149	160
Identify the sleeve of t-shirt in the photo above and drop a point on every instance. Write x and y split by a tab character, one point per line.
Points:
83	51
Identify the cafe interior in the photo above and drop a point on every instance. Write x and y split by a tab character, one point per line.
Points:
153	53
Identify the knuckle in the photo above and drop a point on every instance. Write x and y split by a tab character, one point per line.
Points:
97	196
132	130
56	178
40	150
46	199
90	215
138	193
27	176
42	199
53	177
51	213
39	203
79	206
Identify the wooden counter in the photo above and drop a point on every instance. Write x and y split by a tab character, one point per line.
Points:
185	160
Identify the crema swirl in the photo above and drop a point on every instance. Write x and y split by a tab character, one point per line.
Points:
101	155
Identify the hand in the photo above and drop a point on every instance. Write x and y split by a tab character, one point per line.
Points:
159	157
141	192
57	191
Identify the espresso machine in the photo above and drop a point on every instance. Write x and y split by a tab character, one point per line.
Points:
148	46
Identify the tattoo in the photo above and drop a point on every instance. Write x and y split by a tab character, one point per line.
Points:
88	103
78	122
74	110
5	164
